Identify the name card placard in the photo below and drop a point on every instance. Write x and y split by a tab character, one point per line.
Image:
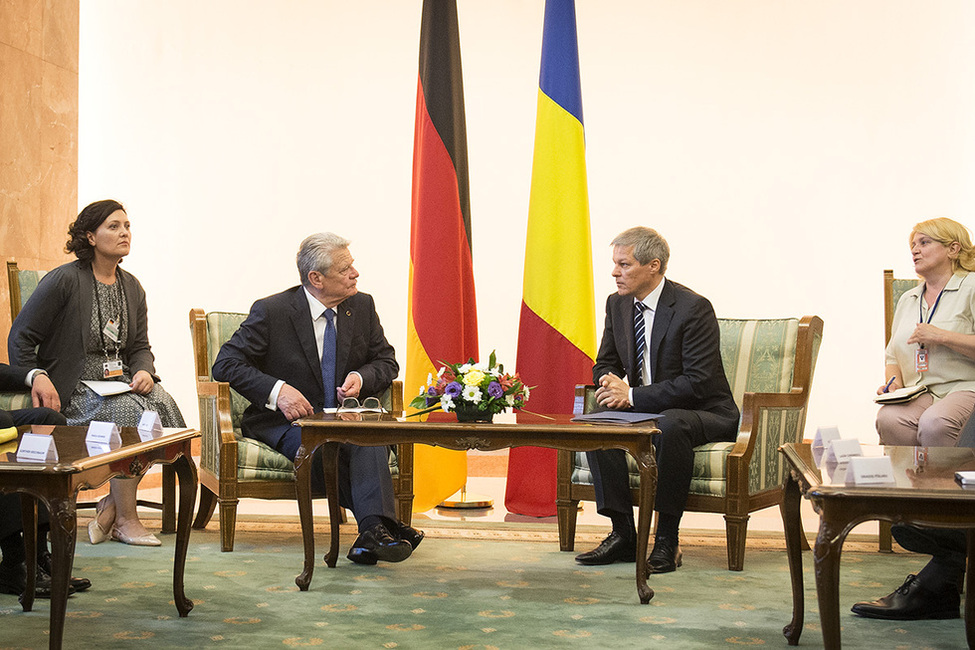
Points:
841	451
150	426
825	435
104	434
864	470
37	448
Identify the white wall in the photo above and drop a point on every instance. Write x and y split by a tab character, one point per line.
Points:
784	148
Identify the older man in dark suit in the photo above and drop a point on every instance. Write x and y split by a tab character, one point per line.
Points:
13	572
305	349
659	354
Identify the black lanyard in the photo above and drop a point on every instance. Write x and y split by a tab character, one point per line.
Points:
98	307
920	308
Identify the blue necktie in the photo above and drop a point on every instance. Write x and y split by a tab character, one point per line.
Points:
328	360
640	333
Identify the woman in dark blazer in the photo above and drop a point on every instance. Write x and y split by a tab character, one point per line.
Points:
87	321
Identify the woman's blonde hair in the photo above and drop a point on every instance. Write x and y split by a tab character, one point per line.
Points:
947	231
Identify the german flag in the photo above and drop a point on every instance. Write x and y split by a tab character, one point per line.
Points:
442	318
557	331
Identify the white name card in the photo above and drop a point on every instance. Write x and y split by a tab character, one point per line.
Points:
150	426
864	470
37	448
104	434
825	435
841	451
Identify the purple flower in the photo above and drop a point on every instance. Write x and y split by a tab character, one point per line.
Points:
494	389
432	392
454	389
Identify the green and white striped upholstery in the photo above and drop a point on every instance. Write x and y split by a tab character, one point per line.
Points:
28	279
758	357
26	282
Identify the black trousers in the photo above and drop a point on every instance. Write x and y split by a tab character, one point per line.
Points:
947	548
680	431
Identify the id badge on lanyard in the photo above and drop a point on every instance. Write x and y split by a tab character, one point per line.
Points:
921	360
112	367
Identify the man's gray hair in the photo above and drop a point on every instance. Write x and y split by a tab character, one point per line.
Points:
647	245
315	253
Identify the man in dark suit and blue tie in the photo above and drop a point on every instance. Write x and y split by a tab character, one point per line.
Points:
659	354
305	349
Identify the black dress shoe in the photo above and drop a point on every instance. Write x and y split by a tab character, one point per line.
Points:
375	543
665	556
44	564
912	602
615	548
13	580
408	534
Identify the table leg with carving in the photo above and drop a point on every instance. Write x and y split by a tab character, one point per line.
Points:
185	471
792	523
64	523
826	554
648	489
303	466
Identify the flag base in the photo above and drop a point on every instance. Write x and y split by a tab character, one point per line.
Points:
462	500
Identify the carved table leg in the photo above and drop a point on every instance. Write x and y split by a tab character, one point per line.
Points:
829	545
63	529
648	489
303	466
186	474
792	523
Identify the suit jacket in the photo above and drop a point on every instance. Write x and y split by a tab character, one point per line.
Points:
14	378
685	357
53	329
277	341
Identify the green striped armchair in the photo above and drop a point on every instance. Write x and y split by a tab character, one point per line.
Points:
233	467
769	364
21	285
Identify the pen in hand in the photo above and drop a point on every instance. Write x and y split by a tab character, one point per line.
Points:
891	381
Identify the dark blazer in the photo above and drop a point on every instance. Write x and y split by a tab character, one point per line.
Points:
14	378
57	322
277	341
685	357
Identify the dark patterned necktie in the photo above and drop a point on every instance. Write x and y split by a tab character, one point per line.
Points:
639	330
328	360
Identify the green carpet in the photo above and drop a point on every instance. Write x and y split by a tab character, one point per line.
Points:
492	588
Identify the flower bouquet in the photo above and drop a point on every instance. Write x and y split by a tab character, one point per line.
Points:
474	391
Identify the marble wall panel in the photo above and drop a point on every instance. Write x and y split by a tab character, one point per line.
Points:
21	25
38	135
60	39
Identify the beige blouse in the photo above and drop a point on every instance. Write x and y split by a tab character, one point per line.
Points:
948	371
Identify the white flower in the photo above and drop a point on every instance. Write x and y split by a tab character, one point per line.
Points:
510	399
462	370
446	403
526	393
429	378
440	372
423	390
471	394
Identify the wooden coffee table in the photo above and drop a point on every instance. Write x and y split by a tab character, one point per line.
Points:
925	494
556	432
57	485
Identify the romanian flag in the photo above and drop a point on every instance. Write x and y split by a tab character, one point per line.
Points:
557	332
442	318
